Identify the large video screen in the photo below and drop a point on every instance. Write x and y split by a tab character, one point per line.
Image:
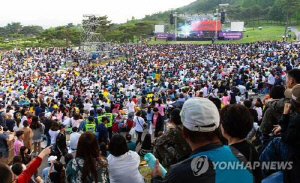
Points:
206	25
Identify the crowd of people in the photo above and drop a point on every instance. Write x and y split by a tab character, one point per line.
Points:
186	104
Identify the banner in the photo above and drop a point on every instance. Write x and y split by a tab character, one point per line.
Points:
164	36
231	35
206	25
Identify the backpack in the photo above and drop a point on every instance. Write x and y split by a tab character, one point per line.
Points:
129	123
115	127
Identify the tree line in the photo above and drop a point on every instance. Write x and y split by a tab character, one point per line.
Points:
16	35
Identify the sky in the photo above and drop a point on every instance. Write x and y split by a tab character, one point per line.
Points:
60	12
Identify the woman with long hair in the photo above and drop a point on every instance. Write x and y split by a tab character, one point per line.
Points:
147	146
88	165
37	129
53	132
24	155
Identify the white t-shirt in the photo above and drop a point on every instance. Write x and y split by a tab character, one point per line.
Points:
130	106
138	121
87	106
53	135
124	168
74	137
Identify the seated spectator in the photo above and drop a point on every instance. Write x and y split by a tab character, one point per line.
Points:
171	147
131	145
57	172
45	172
26	158
123	164
7	175
68	158
103	149
273	111
236	123
200	118
147	146
248	104
287	147
88	165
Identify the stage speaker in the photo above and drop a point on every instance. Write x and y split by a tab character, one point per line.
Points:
222	17
171	19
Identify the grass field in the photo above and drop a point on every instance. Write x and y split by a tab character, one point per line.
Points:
267	33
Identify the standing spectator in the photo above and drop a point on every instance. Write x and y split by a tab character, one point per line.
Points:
46	120
74	137
18	142
121	161
139	123
3	144
53	132
130	107
37	129
88	165
28	134
102	131
157	121
61	142
10	122
18	125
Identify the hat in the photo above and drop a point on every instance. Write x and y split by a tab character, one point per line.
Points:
200	114
293	93
288	93
47	115
52	158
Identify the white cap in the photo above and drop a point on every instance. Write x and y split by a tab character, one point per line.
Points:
52	158
198	113
47	115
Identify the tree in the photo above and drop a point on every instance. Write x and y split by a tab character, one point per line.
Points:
31	30
14	27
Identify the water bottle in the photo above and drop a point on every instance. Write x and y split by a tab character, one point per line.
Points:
151	160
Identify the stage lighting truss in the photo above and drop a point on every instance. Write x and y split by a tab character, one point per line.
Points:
92	39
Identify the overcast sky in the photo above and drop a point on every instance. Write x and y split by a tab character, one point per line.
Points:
49	13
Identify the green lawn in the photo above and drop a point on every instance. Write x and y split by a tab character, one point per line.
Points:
267	33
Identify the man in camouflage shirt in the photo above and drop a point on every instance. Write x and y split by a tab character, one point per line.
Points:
171	147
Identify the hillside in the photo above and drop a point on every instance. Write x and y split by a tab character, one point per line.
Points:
247	10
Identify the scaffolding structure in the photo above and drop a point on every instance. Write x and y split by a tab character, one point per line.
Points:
92	40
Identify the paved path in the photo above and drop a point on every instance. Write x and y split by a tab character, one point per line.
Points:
296	31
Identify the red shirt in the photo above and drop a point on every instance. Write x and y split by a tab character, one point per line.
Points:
31	168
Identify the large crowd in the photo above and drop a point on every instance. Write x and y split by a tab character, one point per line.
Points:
191	106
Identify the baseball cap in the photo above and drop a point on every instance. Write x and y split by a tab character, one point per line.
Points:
293	93
52	158
200	114
48	114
